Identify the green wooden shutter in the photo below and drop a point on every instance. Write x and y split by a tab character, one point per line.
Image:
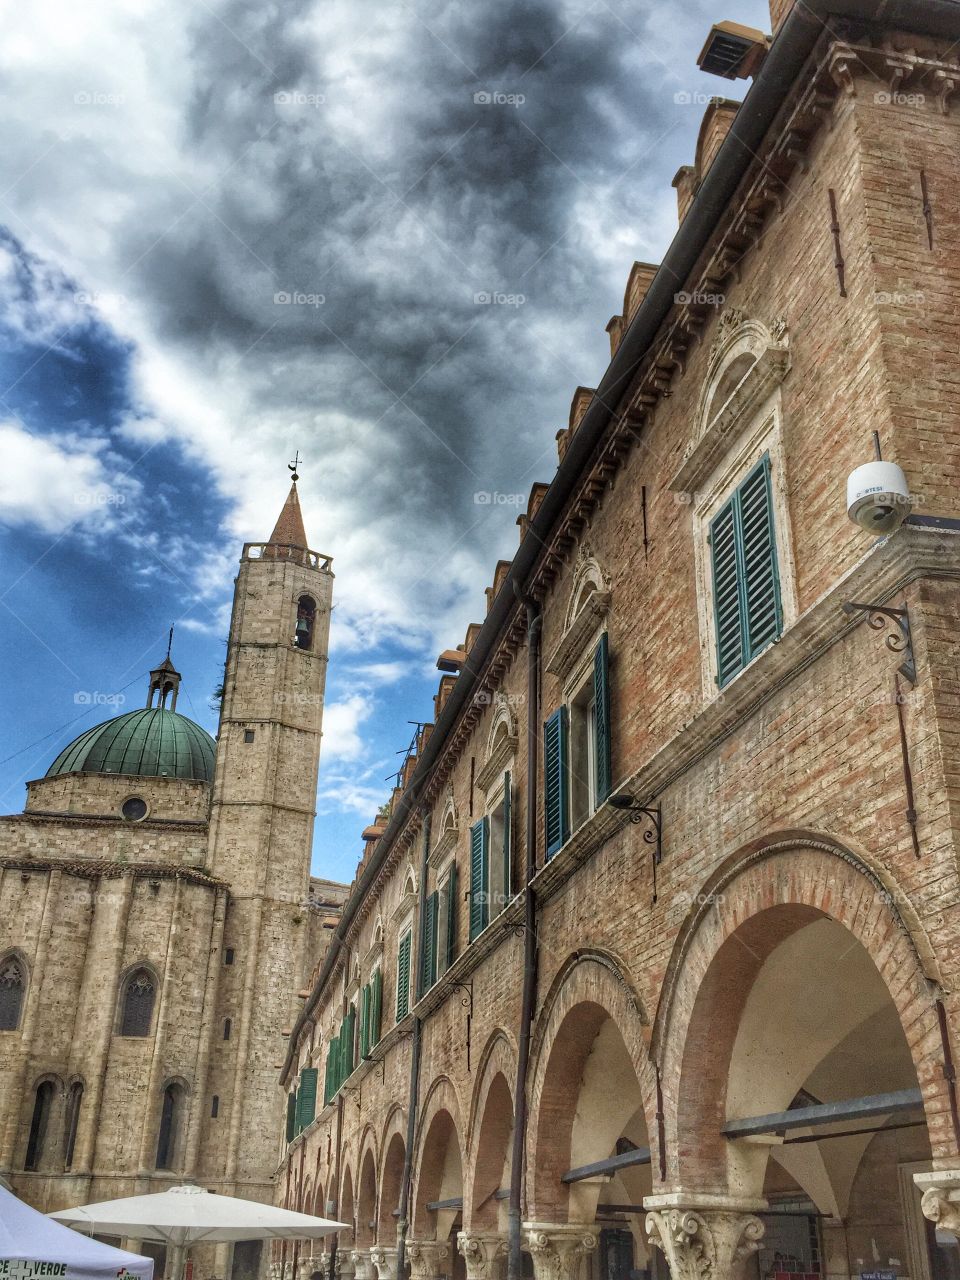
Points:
403	977
365	1021
376	1005
350	1027
601	717
450	942
726	591
506	884
307	1097
479	855
746	582
555	780
760	576
291	1114
428	958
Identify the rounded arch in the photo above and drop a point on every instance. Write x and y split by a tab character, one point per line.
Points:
306	622
366	1220
14	982
746	361
172	1123
766	924
590	586
319	1208
489	1134
393	1150
438	1161
593	1084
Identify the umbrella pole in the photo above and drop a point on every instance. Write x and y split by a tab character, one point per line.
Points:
178	1258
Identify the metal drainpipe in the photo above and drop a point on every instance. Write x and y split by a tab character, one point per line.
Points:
334	1200
534	625
402	1223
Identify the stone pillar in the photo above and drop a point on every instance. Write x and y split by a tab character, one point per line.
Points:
558	1249
481	1251
344	1265
274	1271
385	1261
363	1264
940	1199
429	1259
704	1235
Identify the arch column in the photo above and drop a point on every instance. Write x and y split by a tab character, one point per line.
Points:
480	1251
940	1200
558	1249
704	1235
363	1268
429	1259
344	1266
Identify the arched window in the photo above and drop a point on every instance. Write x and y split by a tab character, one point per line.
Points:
171	1116
306	617
74	1100
139	993
40	1123
13	986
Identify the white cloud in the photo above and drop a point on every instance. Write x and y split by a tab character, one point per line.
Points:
342	721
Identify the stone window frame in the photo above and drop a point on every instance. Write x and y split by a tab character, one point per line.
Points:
15	955
450	831
441	886
577	697
588	604
494	799
728	442
125	978
405	926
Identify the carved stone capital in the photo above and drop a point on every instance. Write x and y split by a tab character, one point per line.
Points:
306	1267
703	1241
343	1264
385	1262
363	1267
558	1249
481	1250
429	1259
940	1200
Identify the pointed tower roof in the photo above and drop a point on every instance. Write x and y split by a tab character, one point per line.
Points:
289	530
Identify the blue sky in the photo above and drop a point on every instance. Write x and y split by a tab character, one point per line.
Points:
236	230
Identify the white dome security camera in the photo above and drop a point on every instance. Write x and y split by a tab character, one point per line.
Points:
878	499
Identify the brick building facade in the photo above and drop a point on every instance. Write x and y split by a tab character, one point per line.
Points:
675	867
157	916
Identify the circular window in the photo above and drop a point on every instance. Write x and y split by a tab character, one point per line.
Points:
134	809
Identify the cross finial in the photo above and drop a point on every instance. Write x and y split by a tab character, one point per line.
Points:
169	642
292	466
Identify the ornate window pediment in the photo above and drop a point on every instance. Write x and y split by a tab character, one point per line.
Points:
747	361
588	605
408	895
449	832
501	745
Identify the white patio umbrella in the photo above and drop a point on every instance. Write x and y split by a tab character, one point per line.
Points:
33	1246
187	1215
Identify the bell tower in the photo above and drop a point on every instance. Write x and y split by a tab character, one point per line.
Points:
261	830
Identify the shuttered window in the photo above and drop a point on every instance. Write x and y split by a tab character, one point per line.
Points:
291	1115
556	801
403	976
479	859
746	583
306	1097
450	941
365	1021
428	955
601	720
376	1004
348	1036
506	876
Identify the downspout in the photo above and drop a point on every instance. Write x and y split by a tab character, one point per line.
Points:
332	1207
402	1223
534	626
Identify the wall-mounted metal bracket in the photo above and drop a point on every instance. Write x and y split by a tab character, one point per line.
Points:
466	999
650	814
900	641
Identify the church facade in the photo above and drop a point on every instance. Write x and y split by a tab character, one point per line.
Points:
158	917
653	967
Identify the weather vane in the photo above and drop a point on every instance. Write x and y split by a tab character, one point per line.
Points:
292	466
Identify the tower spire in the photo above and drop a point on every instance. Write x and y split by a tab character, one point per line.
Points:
164	680
289	530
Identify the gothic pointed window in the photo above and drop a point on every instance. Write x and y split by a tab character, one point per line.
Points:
13	986
306	617
139	994
74	1101
171	1116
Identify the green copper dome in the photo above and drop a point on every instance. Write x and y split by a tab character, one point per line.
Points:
151	743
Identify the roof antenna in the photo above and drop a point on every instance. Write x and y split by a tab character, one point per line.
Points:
292	466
